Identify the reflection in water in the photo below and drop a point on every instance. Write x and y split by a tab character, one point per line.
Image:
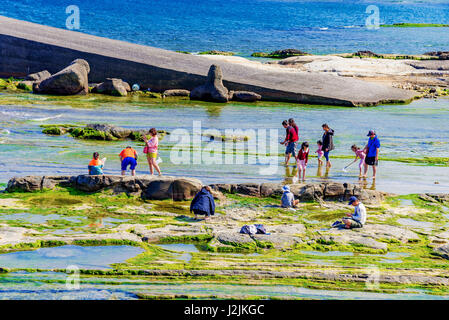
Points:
214	111
319	171
363	183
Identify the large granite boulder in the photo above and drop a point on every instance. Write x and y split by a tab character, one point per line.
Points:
38	76
244	96
113	87
213	89
145	186
338	192
69	81
176	93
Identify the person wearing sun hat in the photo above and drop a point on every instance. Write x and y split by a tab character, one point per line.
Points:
288	199
372	153
358	218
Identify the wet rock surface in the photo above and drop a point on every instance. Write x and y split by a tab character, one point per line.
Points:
113	87
38	76
148	187
329	191
176	93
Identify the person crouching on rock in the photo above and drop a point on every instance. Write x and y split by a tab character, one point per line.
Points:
288	199
358	218
128	157
95	166
203	203
151	150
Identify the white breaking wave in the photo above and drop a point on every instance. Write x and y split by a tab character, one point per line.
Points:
47	118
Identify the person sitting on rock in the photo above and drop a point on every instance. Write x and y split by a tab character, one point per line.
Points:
288	199
203	203
95	166
356	219
128	157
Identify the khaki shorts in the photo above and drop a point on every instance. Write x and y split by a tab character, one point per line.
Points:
354	223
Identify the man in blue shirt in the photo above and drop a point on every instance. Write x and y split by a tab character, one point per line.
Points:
372	153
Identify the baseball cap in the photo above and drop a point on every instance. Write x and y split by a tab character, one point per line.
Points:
371	132
286	188
352	200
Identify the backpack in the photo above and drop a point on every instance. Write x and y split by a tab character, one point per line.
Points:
248	229
260	228
253	229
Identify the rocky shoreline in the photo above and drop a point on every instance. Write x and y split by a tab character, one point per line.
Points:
148	211
182	188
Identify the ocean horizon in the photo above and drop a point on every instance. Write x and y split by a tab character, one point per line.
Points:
244	27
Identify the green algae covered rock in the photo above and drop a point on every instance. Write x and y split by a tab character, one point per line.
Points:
54	131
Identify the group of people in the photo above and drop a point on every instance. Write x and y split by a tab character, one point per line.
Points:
356	219
368	156
128	157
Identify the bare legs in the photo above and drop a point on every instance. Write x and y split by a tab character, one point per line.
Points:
153	164
303	174
287	158
366	171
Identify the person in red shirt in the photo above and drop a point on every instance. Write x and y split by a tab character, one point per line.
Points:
301	160
290	141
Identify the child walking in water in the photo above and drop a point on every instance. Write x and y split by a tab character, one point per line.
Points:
359	154
151	150
301	159
320	152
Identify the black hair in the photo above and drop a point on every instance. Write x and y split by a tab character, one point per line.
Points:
304	144
325	125
320	142
354	146
291	121
285	123
96	155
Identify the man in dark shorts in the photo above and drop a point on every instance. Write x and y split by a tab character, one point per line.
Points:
290	139
372	153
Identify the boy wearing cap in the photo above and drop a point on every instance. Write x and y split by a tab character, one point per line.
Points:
372	153
358	218
288	199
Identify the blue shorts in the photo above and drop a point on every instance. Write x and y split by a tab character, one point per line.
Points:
129	161
290	148
326	155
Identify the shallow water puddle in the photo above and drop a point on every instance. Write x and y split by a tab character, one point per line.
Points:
328	253
24	285
405	202
415	223
185	250
38	218
94	257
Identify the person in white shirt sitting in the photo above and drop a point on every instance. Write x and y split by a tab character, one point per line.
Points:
358	218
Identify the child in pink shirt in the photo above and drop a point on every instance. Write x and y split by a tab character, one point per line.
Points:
301	159
320	152
359	154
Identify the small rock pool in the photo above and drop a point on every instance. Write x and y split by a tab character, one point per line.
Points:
91	257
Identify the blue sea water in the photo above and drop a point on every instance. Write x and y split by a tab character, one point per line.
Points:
246	26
